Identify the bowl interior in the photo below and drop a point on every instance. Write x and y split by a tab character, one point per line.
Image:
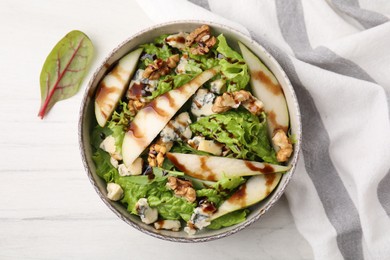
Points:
87	122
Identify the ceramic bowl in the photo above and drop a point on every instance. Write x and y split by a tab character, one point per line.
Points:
87	122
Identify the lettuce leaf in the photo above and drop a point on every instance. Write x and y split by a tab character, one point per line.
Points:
121	116
104	168
118	123
225	49
228	183
159	196
98	135
192	67
228	220
243	133
212	195
206	61
233	66
181	147
135	187
158	48
172	207
217	192
169	82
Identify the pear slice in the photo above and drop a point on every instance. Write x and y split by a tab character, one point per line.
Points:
214	168
150	120
254	190
267	88
113	86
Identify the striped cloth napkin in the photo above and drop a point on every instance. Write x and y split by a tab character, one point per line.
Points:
337	56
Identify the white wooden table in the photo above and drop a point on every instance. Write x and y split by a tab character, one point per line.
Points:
48	208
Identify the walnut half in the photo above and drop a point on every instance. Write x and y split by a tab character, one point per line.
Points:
280	139
182	188
201	40
232	100
160	67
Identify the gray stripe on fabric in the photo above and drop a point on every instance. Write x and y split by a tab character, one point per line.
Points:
366	18
337	203
293	29
201	3
384	194
326	59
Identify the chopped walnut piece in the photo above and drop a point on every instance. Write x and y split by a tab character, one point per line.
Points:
172	61
182	188
157	154
135	105
201	40
280	139
160	68
224	103
234	99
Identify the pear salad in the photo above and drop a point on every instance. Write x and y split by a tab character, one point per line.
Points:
190	133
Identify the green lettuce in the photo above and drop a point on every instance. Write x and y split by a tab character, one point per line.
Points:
121	116
158	48
181	147
192	67
225	49
169	82
118	123
172	207
159	196
98	135
228	220
104	168
212	195
233	66
135	187
216	192
227	183
242	132
206	61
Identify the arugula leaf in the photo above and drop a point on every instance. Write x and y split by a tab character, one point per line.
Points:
64	69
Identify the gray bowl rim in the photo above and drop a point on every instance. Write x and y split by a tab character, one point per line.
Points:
241	226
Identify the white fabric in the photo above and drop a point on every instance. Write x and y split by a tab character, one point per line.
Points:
344	70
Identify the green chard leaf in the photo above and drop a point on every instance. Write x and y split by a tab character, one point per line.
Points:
64	69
